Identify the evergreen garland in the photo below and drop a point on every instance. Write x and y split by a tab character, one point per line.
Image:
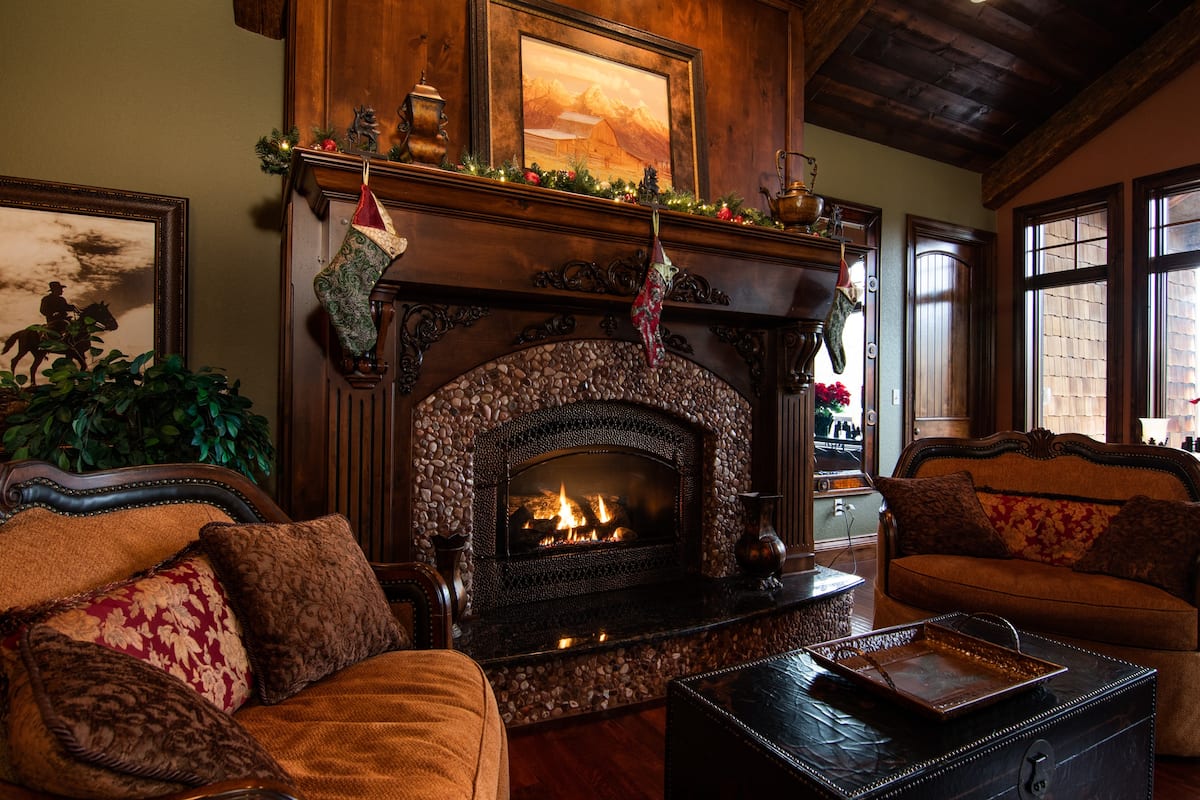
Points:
275	152
275	155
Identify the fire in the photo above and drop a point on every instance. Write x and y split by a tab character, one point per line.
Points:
570	520
602	511
566	515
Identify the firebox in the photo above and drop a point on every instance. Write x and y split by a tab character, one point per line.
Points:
616	496
584	497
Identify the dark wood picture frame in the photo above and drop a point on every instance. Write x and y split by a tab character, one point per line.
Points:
168	217
496	113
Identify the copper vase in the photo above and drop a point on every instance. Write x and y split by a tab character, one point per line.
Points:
759	551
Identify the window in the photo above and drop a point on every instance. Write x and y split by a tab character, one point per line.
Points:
1167	270
1071	252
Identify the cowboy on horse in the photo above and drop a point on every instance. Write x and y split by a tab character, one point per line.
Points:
73	332
56	309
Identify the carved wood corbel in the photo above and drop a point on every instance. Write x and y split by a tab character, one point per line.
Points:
366	370
801	343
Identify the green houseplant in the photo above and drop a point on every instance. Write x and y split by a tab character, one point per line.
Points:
119	411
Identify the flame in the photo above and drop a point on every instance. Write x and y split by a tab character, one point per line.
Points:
566	517
602	511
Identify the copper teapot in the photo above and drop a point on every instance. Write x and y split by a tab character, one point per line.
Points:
796	206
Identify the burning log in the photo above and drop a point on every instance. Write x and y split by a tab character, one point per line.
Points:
552	519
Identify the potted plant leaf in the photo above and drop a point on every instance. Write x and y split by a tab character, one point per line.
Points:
116	411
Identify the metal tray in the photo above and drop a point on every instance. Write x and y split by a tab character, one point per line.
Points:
933	668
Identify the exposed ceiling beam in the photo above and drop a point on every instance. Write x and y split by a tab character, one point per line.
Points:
1163	57
826	24
265	17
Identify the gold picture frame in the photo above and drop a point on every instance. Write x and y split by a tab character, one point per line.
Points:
652	111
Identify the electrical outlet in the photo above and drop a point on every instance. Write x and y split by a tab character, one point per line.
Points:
839	507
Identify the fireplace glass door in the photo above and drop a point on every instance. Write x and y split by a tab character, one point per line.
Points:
586	498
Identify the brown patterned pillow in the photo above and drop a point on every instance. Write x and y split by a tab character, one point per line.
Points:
82	715
1152	541
941	514
307	598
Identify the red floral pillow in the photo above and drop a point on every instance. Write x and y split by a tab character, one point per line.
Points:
1050	530
177	618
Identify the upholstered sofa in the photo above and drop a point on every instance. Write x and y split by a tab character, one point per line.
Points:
170	633
1093	544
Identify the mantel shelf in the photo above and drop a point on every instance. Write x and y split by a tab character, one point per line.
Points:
767	273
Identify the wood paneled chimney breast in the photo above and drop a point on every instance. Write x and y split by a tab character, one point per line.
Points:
505	291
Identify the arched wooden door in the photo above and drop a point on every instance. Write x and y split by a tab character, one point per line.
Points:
949	360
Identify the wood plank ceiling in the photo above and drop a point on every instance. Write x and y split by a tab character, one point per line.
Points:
1006	88
1002	87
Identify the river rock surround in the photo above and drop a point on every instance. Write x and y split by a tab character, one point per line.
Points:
446	423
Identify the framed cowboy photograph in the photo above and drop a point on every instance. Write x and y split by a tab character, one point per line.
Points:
71	252
561	88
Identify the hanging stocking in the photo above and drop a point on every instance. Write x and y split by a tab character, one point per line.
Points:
344	287
647	306
845	300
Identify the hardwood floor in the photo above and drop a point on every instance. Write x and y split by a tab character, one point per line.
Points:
619	756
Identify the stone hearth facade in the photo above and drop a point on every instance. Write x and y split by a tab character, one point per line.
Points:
447	422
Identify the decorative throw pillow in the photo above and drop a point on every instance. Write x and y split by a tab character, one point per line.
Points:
940	514
308	600
175	616
82	715
1044	528
1152	541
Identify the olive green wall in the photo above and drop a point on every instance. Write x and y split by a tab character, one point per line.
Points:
166	98
900	184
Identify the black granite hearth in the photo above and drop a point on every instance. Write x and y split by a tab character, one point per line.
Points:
606	620
602	650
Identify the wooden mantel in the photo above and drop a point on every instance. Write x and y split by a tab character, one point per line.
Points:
487	261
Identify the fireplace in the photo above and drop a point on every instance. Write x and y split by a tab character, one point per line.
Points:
584	497
507	370
513	301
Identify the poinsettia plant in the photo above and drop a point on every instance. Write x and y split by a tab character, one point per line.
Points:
831	398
